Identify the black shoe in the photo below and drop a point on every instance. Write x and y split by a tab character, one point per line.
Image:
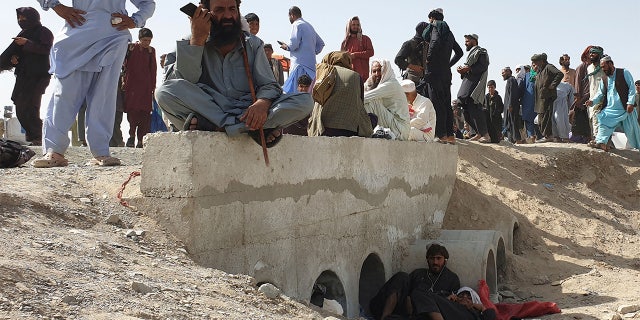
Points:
131	142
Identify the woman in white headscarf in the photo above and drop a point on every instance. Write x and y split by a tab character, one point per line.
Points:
385	98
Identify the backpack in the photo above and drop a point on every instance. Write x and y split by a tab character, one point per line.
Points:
13	154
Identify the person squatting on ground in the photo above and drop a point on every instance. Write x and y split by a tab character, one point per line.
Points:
86	62
472	90
139	83
303	46
547	79
28	55
204	91
338	94
616	99
440	43
384	97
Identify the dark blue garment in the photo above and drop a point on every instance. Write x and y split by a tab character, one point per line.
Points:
157	124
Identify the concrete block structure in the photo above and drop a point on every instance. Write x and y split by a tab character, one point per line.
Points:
341	212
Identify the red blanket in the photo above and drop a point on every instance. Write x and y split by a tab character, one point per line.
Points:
505	311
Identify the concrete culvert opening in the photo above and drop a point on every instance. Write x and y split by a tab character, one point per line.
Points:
491	276
371	280
328	286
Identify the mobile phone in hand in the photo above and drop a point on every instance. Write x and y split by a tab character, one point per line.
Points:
189	9
280	42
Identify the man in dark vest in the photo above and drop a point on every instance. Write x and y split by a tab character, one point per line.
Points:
29	55
617	95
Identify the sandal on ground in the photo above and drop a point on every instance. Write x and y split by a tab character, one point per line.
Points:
105	161
601	146
484	140
450	140
255	135
442	140
50	160
202	124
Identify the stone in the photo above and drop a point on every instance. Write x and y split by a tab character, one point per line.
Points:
85	200
269	290
507	294
114	220
332	306
616	317
140	287
70	300
628	308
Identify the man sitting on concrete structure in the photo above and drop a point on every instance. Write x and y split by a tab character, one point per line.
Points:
422	113
420	292
383	96
209	88
339	109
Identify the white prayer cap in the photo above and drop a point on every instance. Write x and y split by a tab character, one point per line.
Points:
408	85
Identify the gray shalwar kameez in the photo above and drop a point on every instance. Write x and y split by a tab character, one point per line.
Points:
216	87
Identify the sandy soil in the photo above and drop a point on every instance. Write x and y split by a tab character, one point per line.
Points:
68	249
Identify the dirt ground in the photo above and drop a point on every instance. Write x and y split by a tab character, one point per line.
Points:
69	250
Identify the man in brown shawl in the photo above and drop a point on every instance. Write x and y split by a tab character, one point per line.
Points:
547	79
338	95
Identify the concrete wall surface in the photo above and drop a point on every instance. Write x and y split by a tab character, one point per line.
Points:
324	204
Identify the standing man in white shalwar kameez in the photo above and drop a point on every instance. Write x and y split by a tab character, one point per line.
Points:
86	59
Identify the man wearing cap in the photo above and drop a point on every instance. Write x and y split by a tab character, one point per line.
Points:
512	115
594	74
254	23
578	113
617	95
139	83
472	90
423	116
547	79
437	64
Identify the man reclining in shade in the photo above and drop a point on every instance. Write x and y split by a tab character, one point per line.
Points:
208	88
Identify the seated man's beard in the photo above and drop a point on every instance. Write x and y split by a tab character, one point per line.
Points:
223	35
353	32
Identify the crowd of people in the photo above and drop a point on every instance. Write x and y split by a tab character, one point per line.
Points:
349	93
